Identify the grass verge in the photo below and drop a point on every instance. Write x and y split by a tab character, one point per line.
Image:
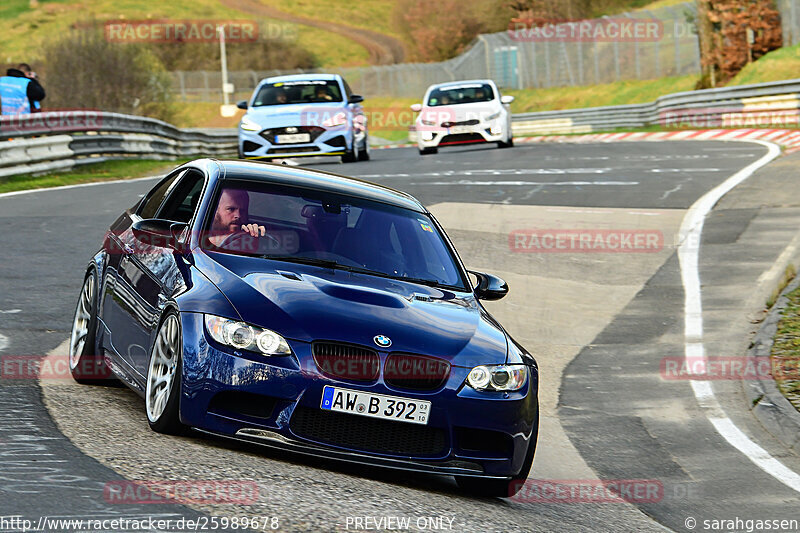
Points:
105	171
785	353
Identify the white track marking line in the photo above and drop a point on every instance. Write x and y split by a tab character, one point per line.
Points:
62	187
688	256
524	183
3	342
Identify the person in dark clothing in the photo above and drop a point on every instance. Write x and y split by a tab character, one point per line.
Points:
20	91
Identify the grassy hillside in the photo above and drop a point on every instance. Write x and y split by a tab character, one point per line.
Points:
23	29
781	64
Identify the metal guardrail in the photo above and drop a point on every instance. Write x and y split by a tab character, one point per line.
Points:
758	105
65	139
58	140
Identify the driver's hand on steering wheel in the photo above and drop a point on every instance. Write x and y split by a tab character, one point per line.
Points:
254	230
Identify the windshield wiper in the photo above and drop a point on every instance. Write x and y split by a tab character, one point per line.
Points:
423	281
324	263
328	263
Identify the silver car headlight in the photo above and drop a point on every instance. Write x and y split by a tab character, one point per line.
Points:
248	124
498	378
245	336
492	117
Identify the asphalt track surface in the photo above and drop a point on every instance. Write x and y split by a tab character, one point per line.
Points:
621	419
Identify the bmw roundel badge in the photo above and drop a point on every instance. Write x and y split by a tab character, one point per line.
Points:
382	340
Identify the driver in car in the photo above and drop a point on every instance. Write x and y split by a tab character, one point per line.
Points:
231	218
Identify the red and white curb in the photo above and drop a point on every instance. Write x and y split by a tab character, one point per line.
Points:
789	139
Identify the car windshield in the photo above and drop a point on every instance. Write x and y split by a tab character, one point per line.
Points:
467	93
331	231
298	92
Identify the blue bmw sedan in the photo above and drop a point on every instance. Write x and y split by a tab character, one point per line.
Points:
312	312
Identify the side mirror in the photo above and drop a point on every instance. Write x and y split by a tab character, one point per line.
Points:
489	287
242	104
507	99
416	108
355	99
159	232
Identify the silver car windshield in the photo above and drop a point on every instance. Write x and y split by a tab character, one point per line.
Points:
298	92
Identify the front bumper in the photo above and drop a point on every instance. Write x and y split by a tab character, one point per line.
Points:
263	145
484	132
278	392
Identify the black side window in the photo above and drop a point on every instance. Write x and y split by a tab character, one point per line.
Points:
156	196
183	200
347	90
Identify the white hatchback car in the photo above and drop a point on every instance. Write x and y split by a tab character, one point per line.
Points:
463	112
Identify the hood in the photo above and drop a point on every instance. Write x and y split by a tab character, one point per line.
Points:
276	116
307	303
15	73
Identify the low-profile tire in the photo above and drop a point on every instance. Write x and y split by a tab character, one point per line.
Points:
506	144
350	155
363	155
86	366
163	392
426	151
502	488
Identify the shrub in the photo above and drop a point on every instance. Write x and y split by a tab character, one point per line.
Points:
85	71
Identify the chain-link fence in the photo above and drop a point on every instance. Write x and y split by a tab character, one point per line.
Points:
516	59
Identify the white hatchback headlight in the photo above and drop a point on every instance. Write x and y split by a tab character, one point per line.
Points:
249	125
492	117
498	378
246	337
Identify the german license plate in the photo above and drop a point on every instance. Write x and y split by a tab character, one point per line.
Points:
375	405
461	129
293	138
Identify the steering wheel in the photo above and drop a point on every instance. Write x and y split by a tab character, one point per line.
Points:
241	235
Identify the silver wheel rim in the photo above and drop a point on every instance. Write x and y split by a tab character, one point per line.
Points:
80	325
163	364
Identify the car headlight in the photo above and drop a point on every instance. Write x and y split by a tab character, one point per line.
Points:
498	378
336	120
249	125
246	337
427	122
492	117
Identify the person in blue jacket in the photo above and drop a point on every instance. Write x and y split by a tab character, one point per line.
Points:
20	91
